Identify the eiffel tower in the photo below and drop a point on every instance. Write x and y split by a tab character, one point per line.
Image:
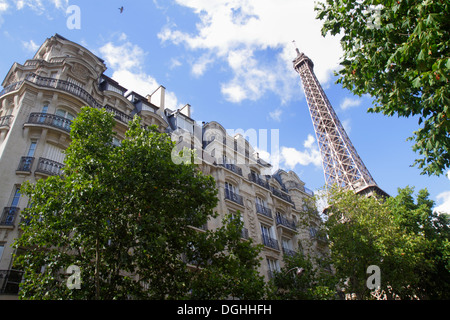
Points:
342	165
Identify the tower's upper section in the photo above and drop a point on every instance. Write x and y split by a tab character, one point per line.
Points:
341	163
301	59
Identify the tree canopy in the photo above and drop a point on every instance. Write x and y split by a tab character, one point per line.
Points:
404	237
130	220
398	51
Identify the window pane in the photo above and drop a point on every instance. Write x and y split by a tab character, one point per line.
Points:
16	198
32	149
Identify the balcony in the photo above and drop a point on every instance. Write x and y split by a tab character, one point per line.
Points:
263	210
68	87
65	86
281	194
288	252
258	181
234	197
232	167
270	242
11	87
317	235
49	167
8	216
49	120
285	222
25	165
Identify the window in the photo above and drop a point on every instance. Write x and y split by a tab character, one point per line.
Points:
116	142
274	266
9	213
268	232
66	120
234	215
32	148
65	114
231	189
185	124
54	153
16	198
260	202
27	161
1	250
286	244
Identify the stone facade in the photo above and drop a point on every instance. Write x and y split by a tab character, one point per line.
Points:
43	95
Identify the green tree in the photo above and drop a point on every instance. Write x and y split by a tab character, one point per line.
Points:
398	51
419	218
304	278
130	219
398	235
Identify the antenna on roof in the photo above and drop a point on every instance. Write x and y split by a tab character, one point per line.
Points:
295	46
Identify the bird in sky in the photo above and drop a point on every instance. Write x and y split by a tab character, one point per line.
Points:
121	9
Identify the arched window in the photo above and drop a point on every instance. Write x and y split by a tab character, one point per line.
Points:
66	119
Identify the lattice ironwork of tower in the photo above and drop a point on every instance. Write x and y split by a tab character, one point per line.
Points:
341	163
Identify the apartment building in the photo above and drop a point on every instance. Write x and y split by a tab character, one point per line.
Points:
42	96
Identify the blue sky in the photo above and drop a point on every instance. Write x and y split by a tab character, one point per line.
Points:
232	62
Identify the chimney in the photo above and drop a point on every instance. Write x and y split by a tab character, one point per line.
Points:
153	98
186	110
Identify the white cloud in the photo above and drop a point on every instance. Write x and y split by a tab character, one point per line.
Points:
3	6
236	31
350	103
127	60
199	67
276	114
30	46
292	157
174	63
444	199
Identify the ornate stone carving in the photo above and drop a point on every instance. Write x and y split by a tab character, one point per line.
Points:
79	71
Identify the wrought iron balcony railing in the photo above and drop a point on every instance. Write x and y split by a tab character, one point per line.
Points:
270	242
281	194
234	197
232	167
288	252
263	210
8	216
51	120
64	86
283	221
49	167
68	87
259	181
25	164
